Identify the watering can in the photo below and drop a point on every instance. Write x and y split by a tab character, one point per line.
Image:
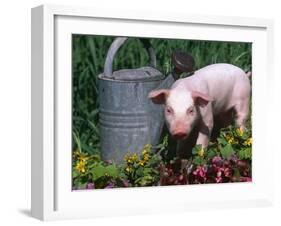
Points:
128	118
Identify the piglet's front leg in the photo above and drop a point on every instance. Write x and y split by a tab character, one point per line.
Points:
205	128
204	137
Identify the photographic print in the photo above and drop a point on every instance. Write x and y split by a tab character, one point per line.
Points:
158	112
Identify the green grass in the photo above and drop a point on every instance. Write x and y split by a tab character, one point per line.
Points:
88	56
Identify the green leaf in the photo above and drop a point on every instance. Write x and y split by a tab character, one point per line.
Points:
81	182
147	171
77	141
98	171
198	161
81	185
241	154
245	153
196	149
94	127
222	141
248	153
86	148
75	173
140	172
227	151
112	170
240	56
210	154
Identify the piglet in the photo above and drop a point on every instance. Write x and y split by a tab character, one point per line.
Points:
195	101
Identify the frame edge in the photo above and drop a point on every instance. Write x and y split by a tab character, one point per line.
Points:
39	161
37	177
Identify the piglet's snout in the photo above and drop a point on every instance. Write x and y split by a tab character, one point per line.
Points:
179	135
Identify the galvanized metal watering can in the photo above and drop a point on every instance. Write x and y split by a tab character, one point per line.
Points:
128	119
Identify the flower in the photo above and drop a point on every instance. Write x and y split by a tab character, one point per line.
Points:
126	157
144	152
242	164
80	156
218	179
217	161
131	158
76	153
248	142
147	147
83	158
125	183
230	139
134	157
240	131
142	162
200	172
146	157
201	152
227	172
245	179
90	186
80	166
110	185
128	169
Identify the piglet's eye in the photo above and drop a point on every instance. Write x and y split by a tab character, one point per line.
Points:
169	110
190	111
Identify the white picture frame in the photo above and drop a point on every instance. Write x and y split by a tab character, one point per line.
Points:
52	197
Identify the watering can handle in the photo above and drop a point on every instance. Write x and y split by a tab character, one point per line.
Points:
117	43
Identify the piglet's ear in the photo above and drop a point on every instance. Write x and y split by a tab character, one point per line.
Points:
200	99
159	96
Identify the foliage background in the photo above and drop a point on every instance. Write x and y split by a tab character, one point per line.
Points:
88	56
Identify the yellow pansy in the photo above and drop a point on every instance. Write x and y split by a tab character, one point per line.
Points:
147	147
141	163
144	152
126	158
240	131
146	157
201	152
248	142
80	166
128	169
134	157
76	153
83	158
131	158
230	139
